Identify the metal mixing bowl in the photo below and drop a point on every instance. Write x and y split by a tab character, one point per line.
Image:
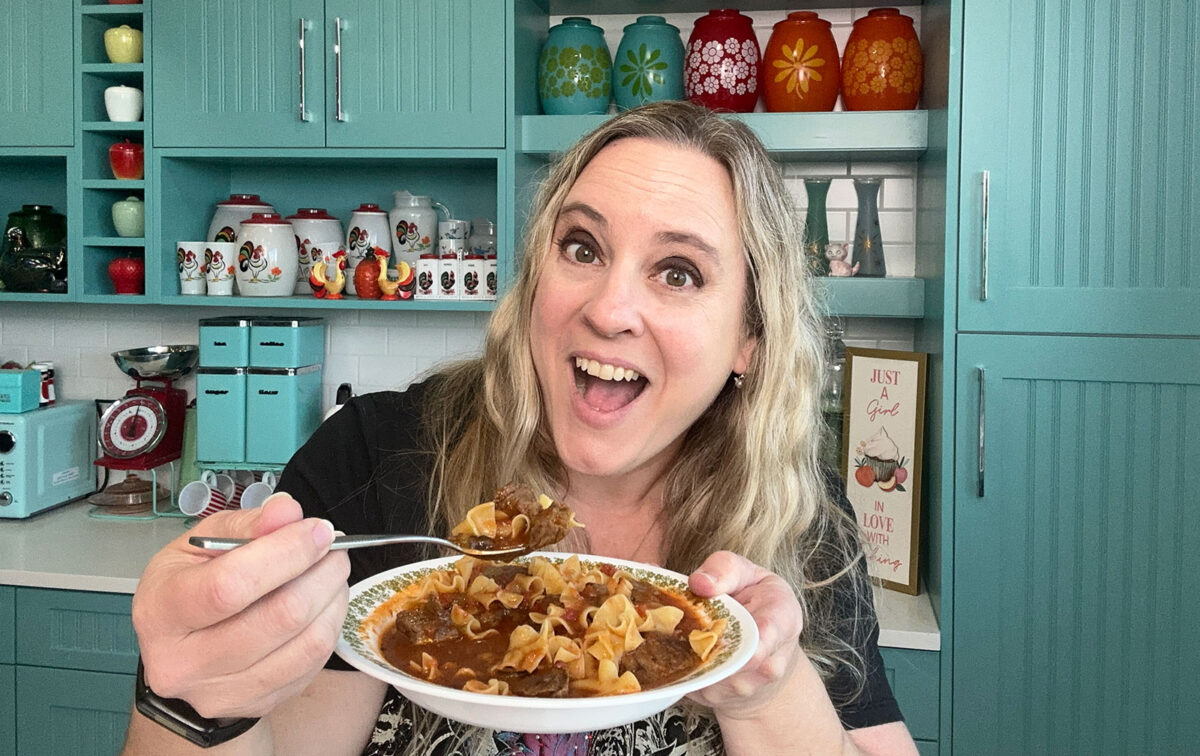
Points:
164	362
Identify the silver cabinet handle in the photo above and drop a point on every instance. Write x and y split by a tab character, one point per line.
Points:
337	54
304	114
982	417
983	241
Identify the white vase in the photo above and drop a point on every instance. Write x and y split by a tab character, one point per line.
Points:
319	238
267	257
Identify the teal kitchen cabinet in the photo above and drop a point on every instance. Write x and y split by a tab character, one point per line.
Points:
76	654
1080	148
8	684
1076	572
914	677
314	73
36	102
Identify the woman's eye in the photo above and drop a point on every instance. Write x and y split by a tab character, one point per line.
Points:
580	253
679	276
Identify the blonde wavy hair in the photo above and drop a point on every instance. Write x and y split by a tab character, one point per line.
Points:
747	478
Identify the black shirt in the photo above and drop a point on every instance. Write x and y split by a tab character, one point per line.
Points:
367	470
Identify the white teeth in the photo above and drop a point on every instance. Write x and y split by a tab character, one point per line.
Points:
605	371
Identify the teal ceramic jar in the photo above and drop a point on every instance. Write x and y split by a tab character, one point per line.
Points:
649	64
575	69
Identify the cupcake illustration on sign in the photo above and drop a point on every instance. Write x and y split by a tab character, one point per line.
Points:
879	463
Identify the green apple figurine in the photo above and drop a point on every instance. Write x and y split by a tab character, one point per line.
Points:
123	44
129	217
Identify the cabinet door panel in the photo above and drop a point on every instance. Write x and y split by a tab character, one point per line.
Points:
36	90
76	629
914	677
8	611
1076	572
1085	117
63	712
227	74
418	73
8	709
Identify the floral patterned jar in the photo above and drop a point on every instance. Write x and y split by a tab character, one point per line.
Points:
649	64
575	69
883	67
721	67
800	65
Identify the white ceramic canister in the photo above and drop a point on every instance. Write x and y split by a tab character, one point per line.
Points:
368	229
319	237
427	276
267	256
473	284
414	226
231	212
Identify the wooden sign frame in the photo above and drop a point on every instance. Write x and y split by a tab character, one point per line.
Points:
883	432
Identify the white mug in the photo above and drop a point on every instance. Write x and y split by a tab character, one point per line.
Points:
256	493
199	499
123	103
189	259
220	264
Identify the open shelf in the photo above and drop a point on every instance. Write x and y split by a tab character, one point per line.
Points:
873	297
897	135
302	302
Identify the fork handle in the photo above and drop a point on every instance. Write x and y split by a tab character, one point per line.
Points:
339	543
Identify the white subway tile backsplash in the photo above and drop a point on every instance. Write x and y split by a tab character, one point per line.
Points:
81	333
385	371
416	341
356	340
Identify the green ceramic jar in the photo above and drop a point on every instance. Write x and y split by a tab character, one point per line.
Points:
575	69
649	64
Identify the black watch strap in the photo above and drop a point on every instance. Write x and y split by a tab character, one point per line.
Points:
179	717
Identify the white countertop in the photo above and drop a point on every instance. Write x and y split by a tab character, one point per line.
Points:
65	548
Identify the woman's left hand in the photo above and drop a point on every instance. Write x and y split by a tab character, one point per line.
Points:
777	613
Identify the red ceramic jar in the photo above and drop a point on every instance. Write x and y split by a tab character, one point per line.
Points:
720	65
800	65
883	67
128	275
127	160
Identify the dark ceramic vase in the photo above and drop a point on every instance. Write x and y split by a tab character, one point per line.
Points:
34	255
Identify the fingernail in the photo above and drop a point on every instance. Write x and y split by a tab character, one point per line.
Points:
322	533
711	580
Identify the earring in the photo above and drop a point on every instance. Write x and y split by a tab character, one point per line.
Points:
739	379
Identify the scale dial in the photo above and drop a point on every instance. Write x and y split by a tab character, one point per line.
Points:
132	426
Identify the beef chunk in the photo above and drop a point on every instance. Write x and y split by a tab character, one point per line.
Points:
503	574
644	593
515	499
595	593
661	658
550	683
427	623
549	526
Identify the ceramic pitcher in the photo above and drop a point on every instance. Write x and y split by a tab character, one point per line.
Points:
414	225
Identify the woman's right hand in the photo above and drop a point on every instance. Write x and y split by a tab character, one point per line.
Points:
235	633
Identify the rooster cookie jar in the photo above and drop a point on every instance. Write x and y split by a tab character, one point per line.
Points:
267	257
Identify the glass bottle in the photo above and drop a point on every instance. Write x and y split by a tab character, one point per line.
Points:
832	388
816	226
868	244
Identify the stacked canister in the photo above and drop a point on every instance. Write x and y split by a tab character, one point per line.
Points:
258	388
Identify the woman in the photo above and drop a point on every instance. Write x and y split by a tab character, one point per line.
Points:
656	367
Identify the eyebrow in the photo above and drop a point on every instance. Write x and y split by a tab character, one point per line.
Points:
663	237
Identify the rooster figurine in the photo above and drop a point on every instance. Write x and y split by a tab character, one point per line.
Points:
324	288
386	285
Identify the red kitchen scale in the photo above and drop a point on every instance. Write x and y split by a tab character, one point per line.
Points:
144	428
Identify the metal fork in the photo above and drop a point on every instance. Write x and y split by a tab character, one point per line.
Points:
361	541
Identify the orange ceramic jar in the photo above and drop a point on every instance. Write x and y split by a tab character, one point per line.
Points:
800	65
882	68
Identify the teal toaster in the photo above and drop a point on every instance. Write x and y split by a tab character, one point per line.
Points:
286	342
20	390
283	408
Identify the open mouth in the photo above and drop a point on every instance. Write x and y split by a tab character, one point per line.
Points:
606	387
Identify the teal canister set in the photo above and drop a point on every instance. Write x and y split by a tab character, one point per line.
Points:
258	389
577	76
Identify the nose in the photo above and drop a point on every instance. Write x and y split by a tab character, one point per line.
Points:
616	305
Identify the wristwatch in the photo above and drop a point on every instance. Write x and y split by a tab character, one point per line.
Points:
179	717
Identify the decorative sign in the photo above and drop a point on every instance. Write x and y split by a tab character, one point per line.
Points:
883	432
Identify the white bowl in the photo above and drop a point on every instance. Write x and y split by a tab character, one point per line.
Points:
359	646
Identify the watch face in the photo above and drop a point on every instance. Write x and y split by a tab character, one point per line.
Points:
132	426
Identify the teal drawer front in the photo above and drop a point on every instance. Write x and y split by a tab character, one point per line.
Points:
914	677
8	709
76	630
927	747
8	641
64	711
